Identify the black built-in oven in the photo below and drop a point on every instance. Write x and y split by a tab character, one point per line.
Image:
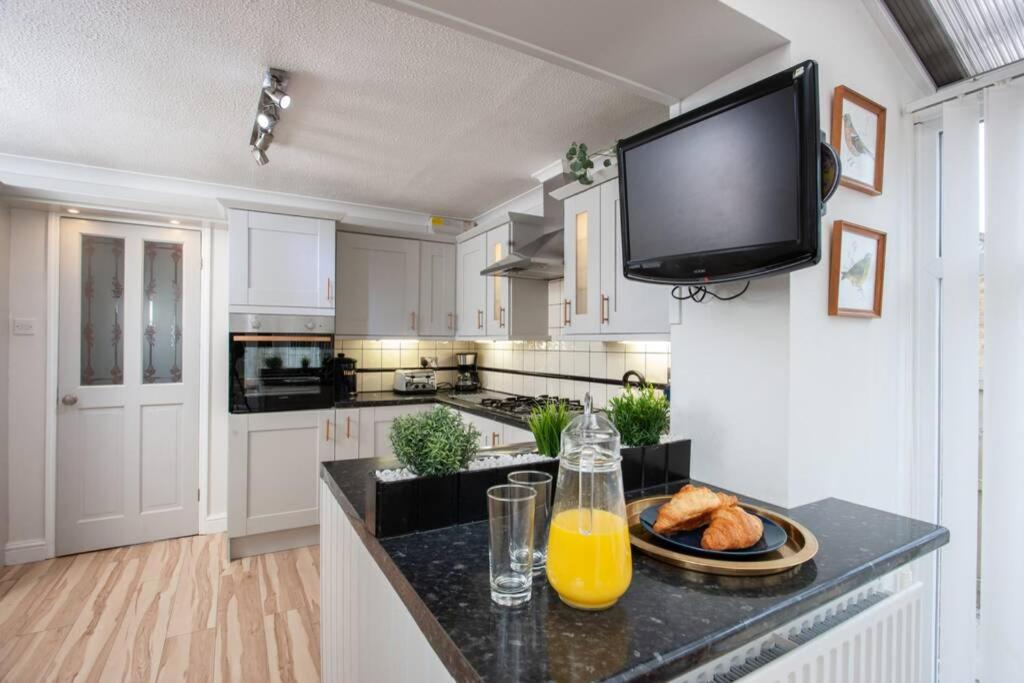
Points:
281	362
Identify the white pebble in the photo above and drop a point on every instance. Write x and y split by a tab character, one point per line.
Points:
480	463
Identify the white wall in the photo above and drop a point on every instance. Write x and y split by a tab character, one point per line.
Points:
27	390
843	382
5	268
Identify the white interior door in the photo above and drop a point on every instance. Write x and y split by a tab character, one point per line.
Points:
128	382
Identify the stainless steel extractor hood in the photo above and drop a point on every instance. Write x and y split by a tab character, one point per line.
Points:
536	250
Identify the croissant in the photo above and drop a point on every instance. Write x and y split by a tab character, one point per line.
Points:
690	508
731	528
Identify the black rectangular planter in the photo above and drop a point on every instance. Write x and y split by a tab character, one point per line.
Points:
424	503
646	466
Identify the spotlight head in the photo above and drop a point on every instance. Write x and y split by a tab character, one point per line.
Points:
267	119
263	140
278	96
260	156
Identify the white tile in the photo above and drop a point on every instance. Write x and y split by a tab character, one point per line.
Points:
599	393
581	363
409	344
371	358
371	344
390	358
580	390
528	360
657	367
357	356
409	358
636	361
373	381
598	364
351	343
517	384
616	363
391	344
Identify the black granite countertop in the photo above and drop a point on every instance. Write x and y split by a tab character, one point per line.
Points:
467	401
668	622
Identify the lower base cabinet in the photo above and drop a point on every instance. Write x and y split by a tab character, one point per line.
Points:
273	469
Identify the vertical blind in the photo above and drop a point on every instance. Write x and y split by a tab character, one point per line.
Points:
1002	590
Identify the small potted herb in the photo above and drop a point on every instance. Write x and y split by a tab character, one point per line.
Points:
642	417
547	422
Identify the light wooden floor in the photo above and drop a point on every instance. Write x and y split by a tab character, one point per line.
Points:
170	611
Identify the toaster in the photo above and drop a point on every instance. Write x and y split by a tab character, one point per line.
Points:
420	381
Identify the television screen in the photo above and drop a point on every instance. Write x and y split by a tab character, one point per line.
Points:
729	191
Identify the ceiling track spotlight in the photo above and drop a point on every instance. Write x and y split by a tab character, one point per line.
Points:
273	99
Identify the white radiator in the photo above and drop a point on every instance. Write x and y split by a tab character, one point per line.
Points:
870	636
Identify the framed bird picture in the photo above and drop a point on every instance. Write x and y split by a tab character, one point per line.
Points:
857	271
858	134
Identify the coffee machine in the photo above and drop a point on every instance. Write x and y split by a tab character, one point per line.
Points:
344	378
468	379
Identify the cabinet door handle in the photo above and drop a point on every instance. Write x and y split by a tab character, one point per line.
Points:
606	308
330	294
348	427
327	430
494	438
566	309
449	321
501	316
479	320
413	316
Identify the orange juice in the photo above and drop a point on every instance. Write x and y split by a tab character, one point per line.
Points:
589	571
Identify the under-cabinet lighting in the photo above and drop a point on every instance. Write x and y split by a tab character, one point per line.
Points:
73	211
175	221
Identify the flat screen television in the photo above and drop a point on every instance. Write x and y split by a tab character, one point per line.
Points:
729	191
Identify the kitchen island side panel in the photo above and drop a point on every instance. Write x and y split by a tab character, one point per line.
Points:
366	632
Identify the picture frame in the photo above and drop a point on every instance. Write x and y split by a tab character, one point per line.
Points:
856	271
858	136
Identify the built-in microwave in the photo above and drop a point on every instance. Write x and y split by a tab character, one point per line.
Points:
280	362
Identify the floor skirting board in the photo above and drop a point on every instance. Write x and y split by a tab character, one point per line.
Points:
20	552
273	541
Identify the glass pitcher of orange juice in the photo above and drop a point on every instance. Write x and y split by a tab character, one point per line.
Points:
589	563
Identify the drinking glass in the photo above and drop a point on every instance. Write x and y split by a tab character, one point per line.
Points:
541	483
510	518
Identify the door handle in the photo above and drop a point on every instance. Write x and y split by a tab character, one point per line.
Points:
327	431
348	427
606	308
501	316
494	438
479	319
566	308
330	296
451	320
413	316
69	399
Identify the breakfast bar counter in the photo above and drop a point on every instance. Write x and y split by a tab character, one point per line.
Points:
669	622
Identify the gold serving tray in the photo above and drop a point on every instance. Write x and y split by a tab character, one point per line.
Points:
801	545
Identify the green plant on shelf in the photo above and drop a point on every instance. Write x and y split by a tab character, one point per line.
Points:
640	415
547	422
434	443
581	162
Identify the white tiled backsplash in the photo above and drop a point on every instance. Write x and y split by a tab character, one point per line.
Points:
398	353
589	360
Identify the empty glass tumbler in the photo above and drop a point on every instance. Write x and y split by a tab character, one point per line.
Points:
510	509
541	483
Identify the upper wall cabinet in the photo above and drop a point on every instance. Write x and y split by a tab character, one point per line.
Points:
599	300
492	306
437	290
280	261
379	280
471	287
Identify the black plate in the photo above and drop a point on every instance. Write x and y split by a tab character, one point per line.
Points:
773	538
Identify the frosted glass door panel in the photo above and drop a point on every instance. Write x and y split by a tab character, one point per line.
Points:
102	310
161	312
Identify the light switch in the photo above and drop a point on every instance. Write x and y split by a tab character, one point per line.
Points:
25	326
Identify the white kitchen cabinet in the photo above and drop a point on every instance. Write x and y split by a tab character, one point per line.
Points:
498	307
437	290
599	301
630	307
496	319
379	281
375	428
471	287
281	262
514	435
581	307
274	461
346	434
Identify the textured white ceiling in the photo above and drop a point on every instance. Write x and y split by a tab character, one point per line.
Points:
389	109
